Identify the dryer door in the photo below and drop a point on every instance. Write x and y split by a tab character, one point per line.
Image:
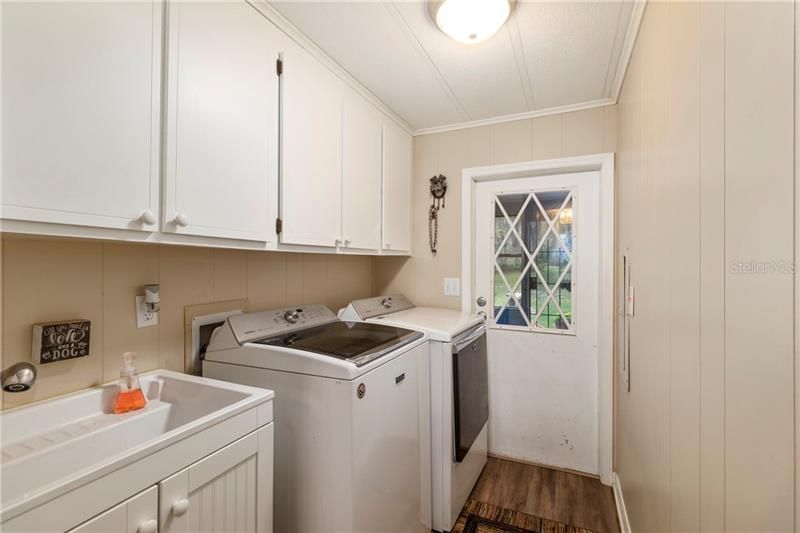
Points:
470	390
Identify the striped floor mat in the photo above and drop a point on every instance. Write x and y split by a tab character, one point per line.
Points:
478	517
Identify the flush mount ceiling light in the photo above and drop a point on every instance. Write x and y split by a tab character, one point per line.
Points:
470	21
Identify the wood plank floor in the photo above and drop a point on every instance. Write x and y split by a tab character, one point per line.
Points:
572	499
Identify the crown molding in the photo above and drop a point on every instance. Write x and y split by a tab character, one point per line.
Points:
283	24
631	33
518	116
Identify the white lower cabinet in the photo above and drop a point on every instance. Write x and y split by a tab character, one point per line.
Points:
138	514
222	491
230	490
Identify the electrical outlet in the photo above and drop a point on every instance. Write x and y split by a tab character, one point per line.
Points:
452	286
144	317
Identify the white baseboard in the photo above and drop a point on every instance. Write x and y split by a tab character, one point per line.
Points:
622	512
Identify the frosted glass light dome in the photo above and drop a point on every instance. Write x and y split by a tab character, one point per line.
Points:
470	21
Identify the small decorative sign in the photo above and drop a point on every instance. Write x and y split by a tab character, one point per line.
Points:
58	341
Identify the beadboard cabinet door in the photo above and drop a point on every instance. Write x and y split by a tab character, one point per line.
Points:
361	173
397	187
138	514
230	490
222	121
311	98
81	86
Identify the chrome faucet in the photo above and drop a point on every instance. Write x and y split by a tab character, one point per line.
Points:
19	377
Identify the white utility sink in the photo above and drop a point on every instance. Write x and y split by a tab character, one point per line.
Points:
51	446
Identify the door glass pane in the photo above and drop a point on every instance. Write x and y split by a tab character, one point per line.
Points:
508	208
535	260
511	268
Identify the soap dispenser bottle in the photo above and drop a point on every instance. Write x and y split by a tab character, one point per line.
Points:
130	396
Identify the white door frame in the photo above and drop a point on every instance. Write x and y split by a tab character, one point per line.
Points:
604	164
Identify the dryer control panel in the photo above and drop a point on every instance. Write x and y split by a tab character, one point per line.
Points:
381	305
250	327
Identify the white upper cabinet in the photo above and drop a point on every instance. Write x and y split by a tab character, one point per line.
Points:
80	113
397	186
361	173
311	98
222	121
264	144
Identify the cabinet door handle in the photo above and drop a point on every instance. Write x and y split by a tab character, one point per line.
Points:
180	507
347	242
181	220
337	242
149	526
388	245
147	217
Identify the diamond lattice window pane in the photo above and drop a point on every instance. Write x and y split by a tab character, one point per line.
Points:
533	259
509	268
551	259
507	209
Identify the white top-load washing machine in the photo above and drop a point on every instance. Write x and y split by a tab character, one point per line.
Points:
459	394
351	442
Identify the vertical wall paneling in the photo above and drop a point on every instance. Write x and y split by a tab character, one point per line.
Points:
706	213
46	279
712	266
759	204
682	222
796	262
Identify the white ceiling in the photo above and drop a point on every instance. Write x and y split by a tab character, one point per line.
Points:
549	56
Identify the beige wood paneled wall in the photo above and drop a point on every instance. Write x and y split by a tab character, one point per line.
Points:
706	185
57	279
421	277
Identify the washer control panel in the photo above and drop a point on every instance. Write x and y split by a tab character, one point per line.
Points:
249	327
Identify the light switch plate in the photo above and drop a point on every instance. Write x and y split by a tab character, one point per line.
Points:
452	286
144	317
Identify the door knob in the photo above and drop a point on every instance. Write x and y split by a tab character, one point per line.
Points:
180	220
149	526
180	507
147	217
482	314
481	301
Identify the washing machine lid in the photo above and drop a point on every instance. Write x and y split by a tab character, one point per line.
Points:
355	342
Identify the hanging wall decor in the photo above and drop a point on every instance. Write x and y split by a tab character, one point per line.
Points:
438	190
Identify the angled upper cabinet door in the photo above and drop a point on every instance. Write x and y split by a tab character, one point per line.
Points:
311	99
397	147
80	113
361	173
222	121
